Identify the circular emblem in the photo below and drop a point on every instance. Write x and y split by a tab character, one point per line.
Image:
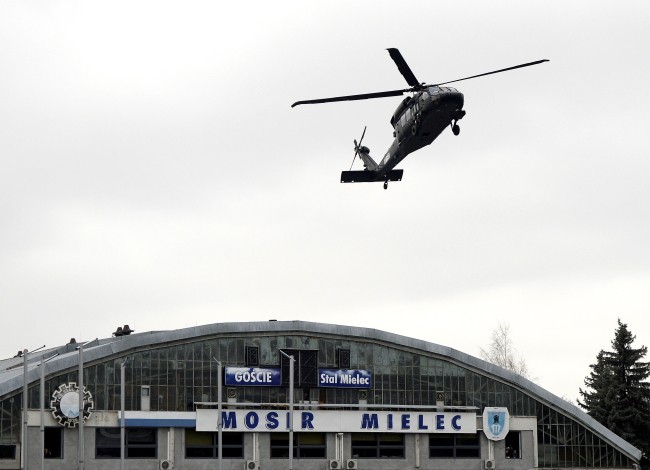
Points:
65	404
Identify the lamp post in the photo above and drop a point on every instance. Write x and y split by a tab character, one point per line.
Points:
219	412
81	416
292	362
80	384
42	405
122	410
25	407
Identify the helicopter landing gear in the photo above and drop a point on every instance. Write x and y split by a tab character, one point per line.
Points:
455	128
386	184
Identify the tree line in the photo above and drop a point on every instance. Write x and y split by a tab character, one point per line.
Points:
617	390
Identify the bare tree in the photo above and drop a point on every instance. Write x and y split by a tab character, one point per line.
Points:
503	353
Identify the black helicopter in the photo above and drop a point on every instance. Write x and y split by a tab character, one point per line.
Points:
417	121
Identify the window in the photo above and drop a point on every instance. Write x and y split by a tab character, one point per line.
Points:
464	446
377	445
8	452
205	445
306	367
53	448
305	445
343	358
141	443
513	445
252	356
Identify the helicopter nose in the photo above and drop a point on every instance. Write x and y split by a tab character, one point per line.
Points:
451	96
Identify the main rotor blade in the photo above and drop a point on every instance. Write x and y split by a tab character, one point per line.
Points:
496	71
403	67
365	96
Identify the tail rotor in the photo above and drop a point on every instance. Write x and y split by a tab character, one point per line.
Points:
357	146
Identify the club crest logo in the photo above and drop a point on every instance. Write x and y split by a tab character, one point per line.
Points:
65	404
496	423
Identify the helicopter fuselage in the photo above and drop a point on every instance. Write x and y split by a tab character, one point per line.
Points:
418	121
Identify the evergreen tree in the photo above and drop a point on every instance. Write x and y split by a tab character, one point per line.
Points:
618	393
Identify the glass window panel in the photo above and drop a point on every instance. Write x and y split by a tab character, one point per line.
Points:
195	438
379	445
454	445
8	452
53	443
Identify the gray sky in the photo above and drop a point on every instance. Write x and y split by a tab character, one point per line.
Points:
152	172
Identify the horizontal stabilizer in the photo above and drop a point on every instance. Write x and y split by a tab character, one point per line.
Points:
369	176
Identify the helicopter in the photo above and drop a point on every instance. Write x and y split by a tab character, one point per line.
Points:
418	120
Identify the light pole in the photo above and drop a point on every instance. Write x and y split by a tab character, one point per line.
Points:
219	412
122	410
81	416
42	405
292	362
80	384
25	406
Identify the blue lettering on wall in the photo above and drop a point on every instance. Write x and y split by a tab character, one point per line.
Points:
421	424
272	420
406	421
454	423
369	421
440	422
251	420
229	419
306	421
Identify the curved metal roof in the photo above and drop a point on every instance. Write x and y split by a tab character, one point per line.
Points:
11	370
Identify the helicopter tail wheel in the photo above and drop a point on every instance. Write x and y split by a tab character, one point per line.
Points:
385	184
455	128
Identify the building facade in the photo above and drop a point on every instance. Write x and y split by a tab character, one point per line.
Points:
221	396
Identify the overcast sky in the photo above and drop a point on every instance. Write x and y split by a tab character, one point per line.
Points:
154	174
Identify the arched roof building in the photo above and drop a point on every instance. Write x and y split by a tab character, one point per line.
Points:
362	398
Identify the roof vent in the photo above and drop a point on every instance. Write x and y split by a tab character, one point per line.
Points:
123	331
